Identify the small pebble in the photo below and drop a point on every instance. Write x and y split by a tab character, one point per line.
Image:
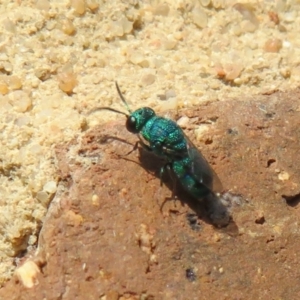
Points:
3	88
169	44
79	6
247	11
233	70
22	121
274	17
138	58
161	9
43	198
95	200
42	73
50	187
283	176
67	81
183	121
199	17
126	25
20	101
162	97
28	273
273	45
14	82
67	27
148	79
170	94
93	5
285	72
290	16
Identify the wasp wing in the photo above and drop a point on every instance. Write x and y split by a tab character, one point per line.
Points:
201	169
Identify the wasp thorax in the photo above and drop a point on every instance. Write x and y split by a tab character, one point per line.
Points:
137	120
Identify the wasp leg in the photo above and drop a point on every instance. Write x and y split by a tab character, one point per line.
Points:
162	150
175	153
162	171
136	145
168	166
133	149
144	146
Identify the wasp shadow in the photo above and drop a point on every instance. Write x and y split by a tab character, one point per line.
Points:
154	164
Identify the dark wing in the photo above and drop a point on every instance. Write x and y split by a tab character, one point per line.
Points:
201	169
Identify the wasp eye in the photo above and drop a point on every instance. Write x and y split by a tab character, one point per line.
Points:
131	124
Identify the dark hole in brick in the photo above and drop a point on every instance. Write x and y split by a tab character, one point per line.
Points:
292	200
270	162
190	274
232	131
270	115
260	220
208	141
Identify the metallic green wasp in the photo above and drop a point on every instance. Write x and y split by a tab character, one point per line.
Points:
166	139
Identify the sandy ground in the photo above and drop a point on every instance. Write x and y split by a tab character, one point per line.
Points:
59	59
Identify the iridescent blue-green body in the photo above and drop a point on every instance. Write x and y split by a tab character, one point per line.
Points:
200	181
167	140
188	180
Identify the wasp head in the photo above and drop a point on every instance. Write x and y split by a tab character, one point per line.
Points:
137	120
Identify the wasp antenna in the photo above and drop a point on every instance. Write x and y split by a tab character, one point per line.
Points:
122	97
107	108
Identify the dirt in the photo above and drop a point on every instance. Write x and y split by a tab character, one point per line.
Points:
111	233
60	59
